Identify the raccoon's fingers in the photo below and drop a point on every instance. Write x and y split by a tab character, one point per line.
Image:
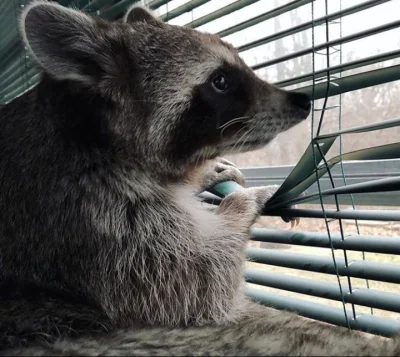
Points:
222	170
243	207
224	161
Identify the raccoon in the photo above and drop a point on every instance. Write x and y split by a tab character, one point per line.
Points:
102	233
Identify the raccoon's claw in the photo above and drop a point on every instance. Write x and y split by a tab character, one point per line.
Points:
222	170
294	221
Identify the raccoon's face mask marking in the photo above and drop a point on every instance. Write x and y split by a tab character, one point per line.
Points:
177	94
218	103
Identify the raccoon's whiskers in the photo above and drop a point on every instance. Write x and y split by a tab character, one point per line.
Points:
247	138
205	156
170	103
201	159
244	135
144	101
232	121
229	123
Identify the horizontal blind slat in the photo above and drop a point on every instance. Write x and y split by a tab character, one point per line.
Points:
339	68
328	314
339	41
189	6
361	269
308	25
362	215
263	17
364	297
360	243
226	10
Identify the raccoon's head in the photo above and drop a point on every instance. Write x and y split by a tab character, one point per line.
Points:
177	95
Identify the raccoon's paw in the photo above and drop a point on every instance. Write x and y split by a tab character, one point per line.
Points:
264	194
219	171
294	221
245	206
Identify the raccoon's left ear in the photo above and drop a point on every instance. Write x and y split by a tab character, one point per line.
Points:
138	13
66	43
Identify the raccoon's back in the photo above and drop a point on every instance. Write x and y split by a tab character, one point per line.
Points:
26	136
31	314
39	189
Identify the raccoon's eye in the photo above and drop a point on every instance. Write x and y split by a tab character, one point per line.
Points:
220	83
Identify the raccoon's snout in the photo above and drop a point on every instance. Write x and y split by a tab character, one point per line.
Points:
301	101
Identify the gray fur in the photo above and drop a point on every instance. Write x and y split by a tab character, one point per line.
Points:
99	172
266	332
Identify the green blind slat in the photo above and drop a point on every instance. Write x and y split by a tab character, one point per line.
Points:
157	3
80	3
345	39
221	12
367	323
364	297
118	9
263	17
385	272
95	5
359	243
354	82
18	76
361	215
189	6
3	7
7	20
319	21
10	53
340	68
64	2
19	83
13	67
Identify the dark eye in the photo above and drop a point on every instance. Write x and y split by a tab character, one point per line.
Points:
220	83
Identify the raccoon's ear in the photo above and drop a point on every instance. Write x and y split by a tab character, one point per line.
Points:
64	41
138	13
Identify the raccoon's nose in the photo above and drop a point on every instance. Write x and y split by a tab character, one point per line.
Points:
301	100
